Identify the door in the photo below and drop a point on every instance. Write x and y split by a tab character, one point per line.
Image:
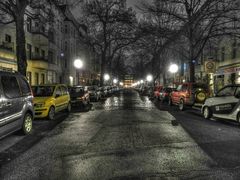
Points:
11	104
225	100
58	99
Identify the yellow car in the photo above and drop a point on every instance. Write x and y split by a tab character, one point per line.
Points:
50	99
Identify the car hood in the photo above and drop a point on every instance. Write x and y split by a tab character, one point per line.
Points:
41	99
221	100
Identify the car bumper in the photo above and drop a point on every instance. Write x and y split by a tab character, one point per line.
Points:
41	112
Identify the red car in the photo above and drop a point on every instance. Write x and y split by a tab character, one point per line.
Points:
157	90
189	94
165	93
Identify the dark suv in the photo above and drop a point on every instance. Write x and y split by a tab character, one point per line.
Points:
16	107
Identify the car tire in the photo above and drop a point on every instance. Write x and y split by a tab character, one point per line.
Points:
207	114
27	124
238	118
51	113
181	105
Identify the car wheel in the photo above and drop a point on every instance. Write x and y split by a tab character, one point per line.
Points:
181	105
51	113
207	114
238	118
69	107
27	124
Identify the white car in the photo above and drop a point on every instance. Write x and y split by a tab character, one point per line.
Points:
225	104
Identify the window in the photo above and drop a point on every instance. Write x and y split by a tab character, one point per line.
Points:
185	87
50	56
66	46
43	53
10	87
58	91
36	78
29	51
24	87
29	24
179	88
66	29
8	38
64	90
234	49
227	91
42	79
36	50
222	53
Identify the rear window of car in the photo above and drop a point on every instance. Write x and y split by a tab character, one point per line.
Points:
43	91
76	90
25	88
10	87
199	86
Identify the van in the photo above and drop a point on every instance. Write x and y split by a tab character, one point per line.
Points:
16	104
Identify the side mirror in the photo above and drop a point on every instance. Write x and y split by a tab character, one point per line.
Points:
57	95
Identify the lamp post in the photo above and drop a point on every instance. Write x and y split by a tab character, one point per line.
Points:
149	78
78	64
173	68
106	77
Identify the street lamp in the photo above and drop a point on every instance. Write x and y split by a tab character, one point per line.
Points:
106	77
78	64
173	68
141	81
149	78
115	81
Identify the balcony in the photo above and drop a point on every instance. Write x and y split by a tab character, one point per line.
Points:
39	31
7	46
37	57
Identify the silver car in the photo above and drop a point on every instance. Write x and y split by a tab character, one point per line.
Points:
225	104
16	104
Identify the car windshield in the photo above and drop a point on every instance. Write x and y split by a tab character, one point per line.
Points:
227	91
43	91
76	91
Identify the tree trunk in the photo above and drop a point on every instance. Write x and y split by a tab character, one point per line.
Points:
103	68
20	43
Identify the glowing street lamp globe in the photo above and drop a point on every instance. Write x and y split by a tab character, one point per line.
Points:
149	78
173	68
78	63
115	81
106	77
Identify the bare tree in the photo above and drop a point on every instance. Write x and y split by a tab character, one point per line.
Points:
13	11
198	21
110	28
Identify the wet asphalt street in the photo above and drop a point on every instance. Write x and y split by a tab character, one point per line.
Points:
125	137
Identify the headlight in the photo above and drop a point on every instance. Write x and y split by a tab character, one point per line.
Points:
39	105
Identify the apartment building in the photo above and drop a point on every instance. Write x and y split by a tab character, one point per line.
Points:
53	42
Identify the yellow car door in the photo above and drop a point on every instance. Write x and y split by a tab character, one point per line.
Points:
58	99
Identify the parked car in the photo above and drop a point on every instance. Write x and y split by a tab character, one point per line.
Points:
164	94
79	96
50	99
16	107
189	94
94	93
225	104
157	90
